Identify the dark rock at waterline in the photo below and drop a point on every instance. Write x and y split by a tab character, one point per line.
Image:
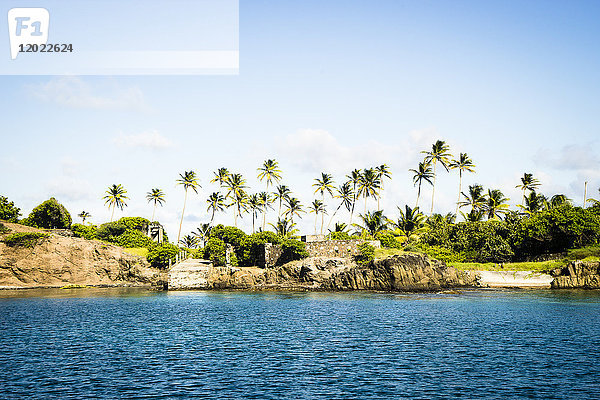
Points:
577	275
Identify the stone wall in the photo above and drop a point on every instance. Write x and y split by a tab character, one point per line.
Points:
272	252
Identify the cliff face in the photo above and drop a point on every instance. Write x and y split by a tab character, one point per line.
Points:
408	272
58	260
577	275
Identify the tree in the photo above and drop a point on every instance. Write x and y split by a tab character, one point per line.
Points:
50	215
220	176
534	202
322	185
473	215
463	163
317	207
236	185
475	198
202	233
369	184
156	196
372	222
189	241
8	211
255	206
266	201
439	153
496	204
411	222
294	207
346	195
339	227
354	177
189	181
528	182
84	215
216	202
282	193
560	200
422	173
115	197
382	171
284	227
270	172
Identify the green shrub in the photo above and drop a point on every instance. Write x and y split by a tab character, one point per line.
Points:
24	239
50	215
250	252
8	211
366	254
228	234
4	228
135	223
133	238
160	254
215	251
292	249
442	253
339	236
584	252
388	240
110	231
84	231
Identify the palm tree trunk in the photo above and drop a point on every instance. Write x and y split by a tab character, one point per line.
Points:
182	213
253	215
212	217
264	218
113	213
433	186
418	195
365	204
335	212
153	212
316	222
459	189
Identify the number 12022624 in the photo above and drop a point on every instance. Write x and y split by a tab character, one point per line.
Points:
46	48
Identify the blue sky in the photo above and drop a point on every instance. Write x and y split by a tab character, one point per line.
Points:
325	86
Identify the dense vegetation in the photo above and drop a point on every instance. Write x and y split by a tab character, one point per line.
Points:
8	211
24	239
49	215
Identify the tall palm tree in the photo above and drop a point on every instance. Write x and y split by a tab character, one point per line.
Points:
269	171
220	176
346	195
115	197
322	185
83	215
475	198
236	185
382	171
255	206
216	202
528	182
496	204
411	222
284	227
439	153
317	207
282	193
354	177
372	222
202	233
189	181
473	215
156	196
294	207
369	184
266	200
463	163
423	173
534	202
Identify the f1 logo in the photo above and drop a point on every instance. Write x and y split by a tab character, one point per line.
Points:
27	26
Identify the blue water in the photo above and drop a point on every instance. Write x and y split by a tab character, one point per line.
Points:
134	344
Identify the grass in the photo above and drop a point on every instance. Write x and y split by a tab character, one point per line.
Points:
387	252
137	251
516	266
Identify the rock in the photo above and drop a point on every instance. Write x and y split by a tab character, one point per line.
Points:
577	275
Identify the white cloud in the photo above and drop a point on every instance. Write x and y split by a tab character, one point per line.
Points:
68	188
71	91
569	157
147	140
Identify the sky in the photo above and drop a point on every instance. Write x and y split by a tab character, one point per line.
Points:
325	86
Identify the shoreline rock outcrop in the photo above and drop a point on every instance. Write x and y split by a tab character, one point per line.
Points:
577	275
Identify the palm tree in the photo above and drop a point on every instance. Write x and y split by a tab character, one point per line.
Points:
236	184
495	205
158	197
354	177
346	195
294	207
284	227
202	233
439	153
281	193
269	171
423	173
411	222
83	215
189	241
475	198
221	176
473	215
559	200
189	181
382	171
463	163
115	197
266	200
216	202
534	202
255	205
324	184
372	222
528	182
339	227
317	207
369	184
